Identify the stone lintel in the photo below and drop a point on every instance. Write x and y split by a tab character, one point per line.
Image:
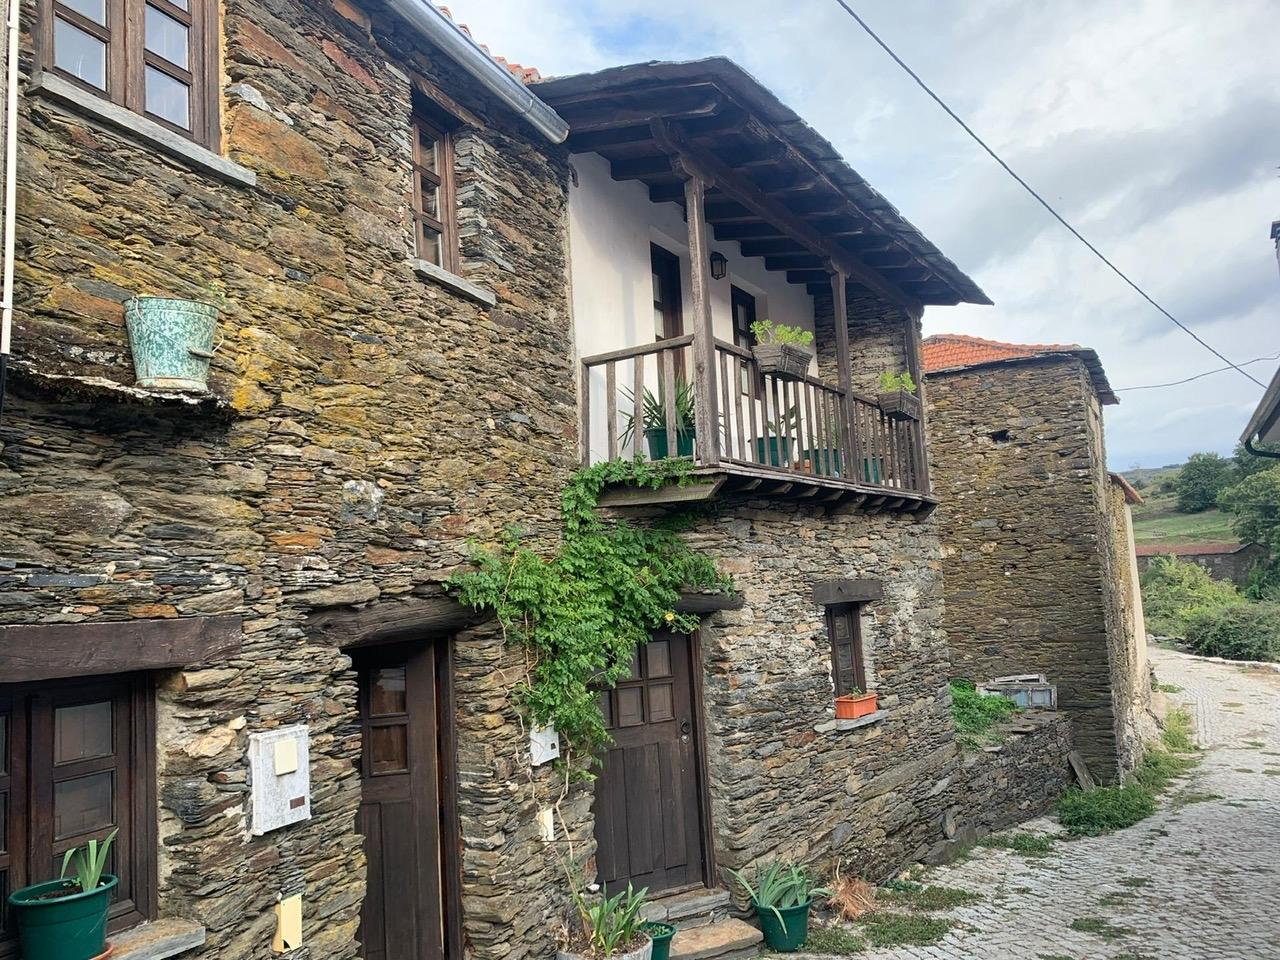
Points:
831	592
451	281
843	726
138	128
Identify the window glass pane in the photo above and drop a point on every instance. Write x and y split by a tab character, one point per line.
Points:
386	691
79	54
427	147
429	246
95	10
389	749
82	805
166	37
167	98
180	4
429	193
82	732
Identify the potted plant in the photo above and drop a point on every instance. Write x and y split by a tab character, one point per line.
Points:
782	895
773	449
826	461
660	932
655	421
782	351
66	919
898	397
171	341
605	927
856	704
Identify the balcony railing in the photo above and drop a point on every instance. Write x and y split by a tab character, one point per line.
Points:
645	402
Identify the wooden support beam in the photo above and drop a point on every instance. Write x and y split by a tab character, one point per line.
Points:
806	276
915	367
392	620
795	261
602	139
621	498
30	652
844	375
704	603
633	168
590	116
753	229
770	247
735	187
827	593
706	409
666	192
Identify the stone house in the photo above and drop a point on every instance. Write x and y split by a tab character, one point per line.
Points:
1223	561
222	621
1038	560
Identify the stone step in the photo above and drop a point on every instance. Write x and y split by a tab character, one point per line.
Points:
722	940
692	908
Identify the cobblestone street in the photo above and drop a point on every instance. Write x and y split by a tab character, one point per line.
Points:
1198	880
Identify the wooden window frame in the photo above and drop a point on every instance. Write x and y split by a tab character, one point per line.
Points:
445	222
853	611
29	709
127	59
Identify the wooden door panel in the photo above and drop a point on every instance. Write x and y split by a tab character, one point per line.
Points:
648	803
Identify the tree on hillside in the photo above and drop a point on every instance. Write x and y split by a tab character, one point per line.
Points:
1247	464
1254	504
1201	480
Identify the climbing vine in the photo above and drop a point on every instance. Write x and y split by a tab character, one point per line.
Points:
581	612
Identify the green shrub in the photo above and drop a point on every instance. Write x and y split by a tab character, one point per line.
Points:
896	930
1090	812
1159	768
976	713
1200	481
1177	732
1173	591
1244	632
1026	844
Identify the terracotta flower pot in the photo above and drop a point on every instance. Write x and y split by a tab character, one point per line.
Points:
853	707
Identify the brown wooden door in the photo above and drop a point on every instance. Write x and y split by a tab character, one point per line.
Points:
668	318
648	802
406	812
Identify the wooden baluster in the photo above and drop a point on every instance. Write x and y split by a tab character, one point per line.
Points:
637	407
611	406
753	408
584	430
669	401
810	452
725	411
738	363
775	446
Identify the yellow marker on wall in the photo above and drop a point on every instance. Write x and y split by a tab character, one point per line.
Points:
288	934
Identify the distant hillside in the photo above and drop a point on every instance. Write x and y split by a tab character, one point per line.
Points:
1156	520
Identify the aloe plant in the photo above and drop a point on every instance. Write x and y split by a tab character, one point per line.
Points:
779	885
655	410
89	862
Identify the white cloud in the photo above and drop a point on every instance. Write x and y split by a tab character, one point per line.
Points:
1152	124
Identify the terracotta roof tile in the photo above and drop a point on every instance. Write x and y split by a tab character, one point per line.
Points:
522	73
945	352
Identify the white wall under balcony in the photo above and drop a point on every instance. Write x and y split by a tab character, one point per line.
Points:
611	225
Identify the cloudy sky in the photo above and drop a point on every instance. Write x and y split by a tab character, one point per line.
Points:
1153	124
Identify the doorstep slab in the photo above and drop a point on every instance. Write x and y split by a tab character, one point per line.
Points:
157	940
724	938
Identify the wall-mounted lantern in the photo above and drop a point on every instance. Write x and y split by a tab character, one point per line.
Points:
719	265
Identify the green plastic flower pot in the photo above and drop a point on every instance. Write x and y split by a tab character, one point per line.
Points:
660	934
659	448
774	451
789	935
73	927
172	342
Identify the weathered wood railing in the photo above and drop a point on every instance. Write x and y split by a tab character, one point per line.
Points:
639	401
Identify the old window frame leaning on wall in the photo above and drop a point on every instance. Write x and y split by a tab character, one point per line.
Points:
135	61
31	770
435	227
846	679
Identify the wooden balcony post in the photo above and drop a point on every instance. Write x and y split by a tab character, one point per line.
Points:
706	414
914	365
840	320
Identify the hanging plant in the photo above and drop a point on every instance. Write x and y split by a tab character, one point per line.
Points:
581	612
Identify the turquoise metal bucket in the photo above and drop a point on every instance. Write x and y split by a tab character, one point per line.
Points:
172	342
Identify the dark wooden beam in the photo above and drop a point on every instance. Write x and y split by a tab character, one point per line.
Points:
590	116
602	139
704	603
750	155
892	258
771	247
31	652
666	192
795	261
727	119
742	231
706	412
806	276
827	593
733	186
393	620
635	167
623	497
729	211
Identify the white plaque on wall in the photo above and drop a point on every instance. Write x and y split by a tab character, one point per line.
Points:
279	778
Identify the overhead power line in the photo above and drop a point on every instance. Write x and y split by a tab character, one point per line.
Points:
1207	373
1043	202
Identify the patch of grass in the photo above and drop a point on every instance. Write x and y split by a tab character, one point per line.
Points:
1254	744
1231	703
1158	769
834	941
1117	899
1026	844
1053	956
1272	771
1176	734
1133	956
1187	797
899	930
976	713
1100	927
1103	809
1168	688
929	898
1135	882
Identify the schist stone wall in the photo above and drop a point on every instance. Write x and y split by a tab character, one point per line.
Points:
1026	528
372	422
1234	564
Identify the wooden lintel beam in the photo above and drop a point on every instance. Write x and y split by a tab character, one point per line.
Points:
704	603
602	139
591	116
392	620
711	168
795	261
769	247
37	651
666	192
635	167
746	231
806	276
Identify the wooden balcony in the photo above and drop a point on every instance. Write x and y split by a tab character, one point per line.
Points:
747	433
